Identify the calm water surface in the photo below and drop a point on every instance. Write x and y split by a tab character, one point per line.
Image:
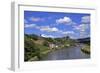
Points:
67	53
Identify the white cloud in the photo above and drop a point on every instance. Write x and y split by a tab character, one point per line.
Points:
82	30
54	29
36	19
64	20
85	19
50	36
42	28
67	32
81	27
49	29
29	25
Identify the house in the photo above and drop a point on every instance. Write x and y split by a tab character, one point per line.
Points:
52	45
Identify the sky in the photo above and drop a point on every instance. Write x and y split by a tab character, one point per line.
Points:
57	24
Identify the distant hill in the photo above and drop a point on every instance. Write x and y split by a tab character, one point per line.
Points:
84	40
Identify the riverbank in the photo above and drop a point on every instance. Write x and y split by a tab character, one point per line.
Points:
45	50
73	52
86	49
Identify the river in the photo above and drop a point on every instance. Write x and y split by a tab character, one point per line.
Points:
67	53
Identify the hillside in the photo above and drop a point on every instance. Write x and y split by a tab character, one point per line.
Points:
84	40
36	46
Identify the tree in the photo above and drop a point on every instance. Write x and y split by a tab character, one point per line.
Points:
45	43
30	48
67	37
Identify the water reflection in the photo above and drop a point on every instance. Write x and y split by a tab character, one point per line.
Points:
67	53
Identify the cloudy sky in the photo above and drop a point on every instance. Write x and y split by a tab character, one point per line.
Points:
57	24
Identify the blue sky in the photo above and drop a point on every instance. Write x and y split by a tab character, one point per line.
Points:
57	24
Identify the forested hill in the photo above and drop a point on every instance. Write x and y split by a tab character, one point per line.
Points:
84	40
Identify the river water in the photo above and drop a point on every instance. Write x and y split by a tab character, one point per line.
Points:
67	53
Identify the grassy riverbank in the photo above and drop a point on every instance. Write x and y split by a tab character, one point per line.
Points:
86	49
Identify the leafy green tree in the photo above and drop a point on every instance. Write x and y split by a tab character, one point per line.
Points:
45	43
30	48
